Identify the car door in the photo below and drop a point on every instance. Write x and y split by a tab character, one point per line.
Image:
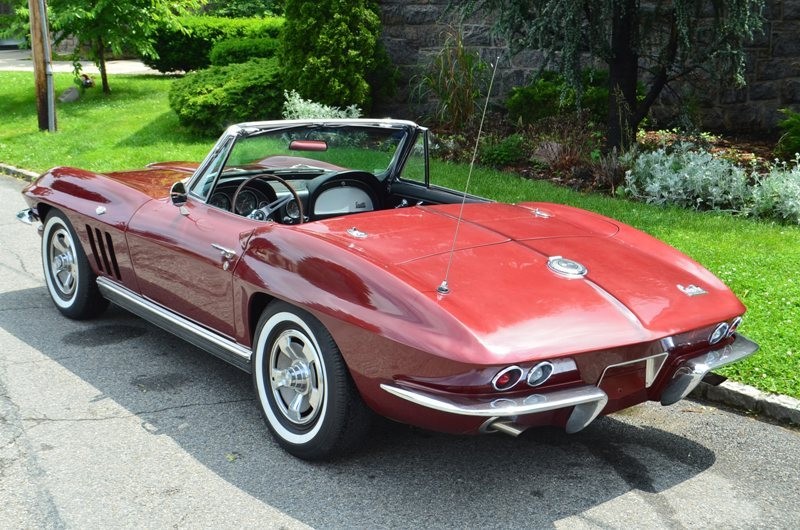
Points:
184	258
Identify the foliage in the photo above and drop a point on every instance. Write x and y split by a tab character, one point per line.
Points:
550	94
230	51
17	24
189	47
454	79
777	194
658	41
297	108
567	144
789	144
110	25
502	152
689	178
242	8
330	48
209	100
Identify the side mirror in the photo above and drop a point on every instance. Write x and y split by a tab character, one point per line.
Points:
177	194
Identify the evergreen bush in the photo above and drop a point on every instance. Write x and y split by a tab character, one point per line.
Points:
189	48
330	47
209	100
232	51
550	94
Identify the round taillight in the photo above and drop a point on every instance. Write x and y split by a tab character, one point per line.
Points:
507	378
720	332
540	373
734	325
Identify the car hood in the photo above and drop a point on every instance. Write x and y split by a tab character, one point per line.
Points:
503	291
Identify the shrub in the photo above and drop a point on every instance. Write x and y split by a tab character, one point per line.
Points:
297	108
454	80
232	51
189	49
789	144
500	152
777	194
242	8
550	95
329	49
210	100
688	178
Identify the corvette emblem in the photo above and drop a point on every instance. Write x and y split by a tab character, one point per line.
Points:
691	290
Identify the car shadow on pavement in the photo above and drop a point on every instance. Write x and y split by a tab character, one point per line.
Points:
402	476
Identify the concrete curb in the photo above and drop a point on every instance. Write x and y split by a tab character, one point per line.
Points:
23	174
782	408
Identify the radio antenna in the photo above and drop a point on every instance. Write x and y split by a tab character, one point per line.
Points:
444	287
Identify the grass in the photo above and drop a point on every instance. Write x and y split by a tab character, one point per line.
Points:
760	261
128	129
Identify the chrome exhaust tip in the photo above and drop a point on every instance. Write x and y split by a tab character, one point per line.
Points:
504	426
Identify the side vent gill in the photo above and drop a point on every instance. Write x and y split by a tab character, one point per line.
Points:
103	251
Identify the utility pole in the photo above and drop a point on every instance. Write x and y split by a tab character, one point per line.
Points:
42	66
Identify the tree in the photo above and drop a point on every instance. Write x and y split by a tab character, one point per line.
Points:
329	48
656	42
116	25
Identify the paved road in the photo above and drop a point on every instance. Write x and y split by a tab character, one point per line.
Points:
20	61
113	423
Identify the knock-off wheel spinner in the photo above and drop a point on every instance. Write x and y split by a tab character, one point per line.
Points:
295	377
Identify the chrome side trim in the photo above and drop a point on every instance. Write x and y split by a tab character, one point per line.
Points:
588	401
691	372
217	345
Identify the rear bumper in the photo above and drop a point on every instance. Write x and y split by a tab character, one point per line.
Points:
691	372
587	401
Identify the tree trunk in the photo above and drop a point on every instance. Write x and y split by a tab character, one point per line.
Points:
623	69
100	53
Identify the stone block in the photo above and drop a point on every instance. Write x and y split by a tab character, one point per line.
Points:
790	94
791	10
785	41
759	91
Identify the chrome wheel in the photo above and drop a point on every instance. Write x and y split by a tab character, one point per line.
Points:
296	379
67	273
61	260
303	387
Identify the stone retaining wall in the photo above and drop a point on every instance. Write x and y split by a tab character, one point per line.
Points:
415	29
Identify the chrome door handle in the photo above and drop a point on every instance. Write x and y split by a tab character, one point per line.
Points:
226	253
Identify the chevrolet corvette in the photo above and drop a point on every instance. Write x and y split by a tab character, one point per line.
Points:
318	256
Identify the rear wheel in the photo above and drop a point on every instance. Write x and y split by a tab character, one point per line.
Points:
303	386
70	280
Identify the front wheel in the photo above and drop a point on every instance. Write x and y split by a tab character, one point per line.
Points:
70	280
304	390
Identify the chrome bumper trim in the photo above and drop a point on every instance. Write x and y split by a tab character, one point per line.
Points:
691	372
27	216
587	401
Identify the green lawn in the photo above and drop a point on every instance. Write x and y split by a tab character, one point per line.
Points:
760	261
128	129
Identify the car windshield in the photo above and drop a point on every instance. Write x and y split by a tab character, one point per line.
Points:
315	149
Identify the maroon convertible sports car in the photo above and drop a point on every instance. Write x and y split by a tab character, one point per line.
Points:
317	256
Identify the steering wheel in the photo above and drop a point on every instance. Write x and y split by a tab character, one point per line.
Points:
265	212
